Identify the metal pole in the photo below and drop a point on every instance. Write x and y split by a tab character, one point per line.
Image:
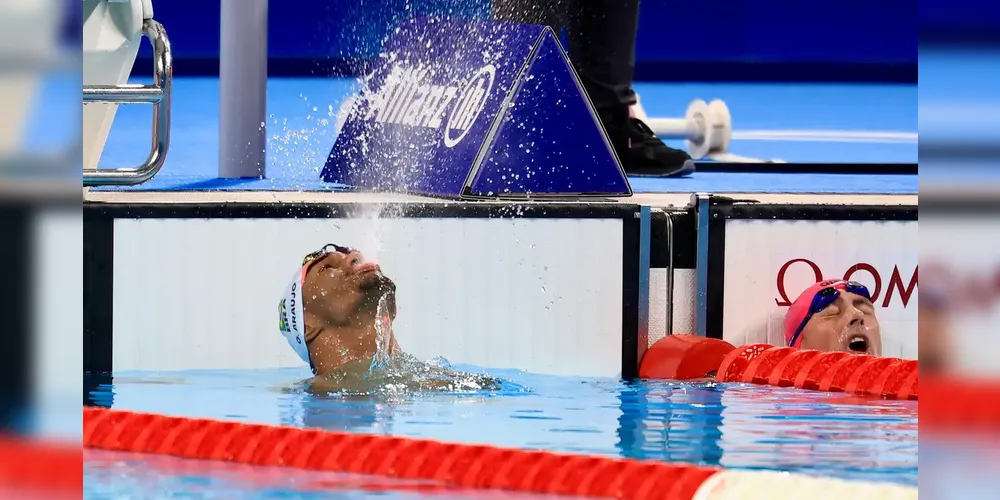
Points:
123	94
670	273
243	89
703	203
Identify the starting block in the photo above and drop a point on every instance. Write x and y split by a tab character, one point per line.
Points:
474	109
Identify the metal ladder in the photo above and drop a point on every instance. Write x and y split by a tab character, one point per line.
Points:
158	94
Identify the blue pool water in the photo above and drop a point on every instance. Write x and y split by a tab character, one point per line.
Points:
114	475
729	425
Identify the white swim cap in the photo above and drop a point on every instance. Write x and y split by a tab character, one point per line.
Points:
290	316
291	320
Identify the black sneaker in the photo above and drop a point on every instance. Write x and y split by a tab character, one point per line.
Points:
643	154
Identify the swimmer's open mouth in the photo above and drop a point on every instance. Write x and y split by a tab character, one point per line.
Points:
859	344
368	268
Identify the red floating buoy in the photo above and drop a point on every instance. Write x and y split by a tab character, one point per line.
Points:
683	357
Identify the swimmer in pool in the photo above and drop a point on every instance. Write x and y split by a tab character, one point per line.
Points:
834	315
337	315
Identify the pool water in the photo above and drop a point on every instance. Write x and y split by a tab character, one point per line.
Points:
729	425
115	475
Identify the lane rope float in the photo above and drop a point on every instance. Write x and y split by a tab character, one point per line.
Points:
36	469
689	357
463	465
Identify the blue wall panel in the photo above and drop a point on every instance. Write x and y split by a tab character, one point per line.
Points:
678	39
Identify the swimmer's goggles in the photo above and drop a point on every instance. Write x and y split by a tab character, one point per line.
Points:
322	252
824	298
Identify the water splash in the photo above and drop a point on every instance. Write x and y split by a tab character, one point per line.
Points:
383	335
403	376
378	233
399	375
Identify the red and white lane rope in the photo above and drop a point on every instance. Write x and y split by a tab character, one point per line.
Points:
463	465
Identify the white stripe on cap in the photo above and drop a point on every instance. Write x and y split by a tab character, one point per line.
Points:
290	319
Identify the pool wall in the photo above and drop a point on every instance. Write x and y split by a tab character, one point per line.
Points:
757	256
551	290
771	253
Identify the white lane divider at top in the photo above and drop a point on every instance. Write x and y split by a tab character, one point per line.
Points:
869	136
707	129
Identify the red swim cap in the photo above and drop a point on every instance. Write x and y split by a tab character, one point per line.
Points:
799	309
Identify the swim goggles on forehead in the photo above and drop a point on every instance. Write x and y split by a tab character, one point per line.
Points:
327	249
824	298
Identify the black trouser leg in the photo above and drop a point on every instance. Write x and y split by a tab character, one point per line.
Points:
551	13
601	36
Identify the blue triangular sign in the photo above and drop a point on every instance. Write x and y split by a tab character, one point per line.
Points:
475	109
548	142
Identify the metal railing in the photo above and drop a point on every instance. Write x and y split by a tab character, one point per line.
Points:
158	94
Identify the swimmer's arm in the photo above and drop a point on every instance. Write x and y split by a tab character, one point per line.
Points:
443	378
456	380
338	381
322	385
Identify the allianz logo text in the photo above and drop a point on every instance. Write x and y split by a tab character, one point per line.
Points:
407	98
